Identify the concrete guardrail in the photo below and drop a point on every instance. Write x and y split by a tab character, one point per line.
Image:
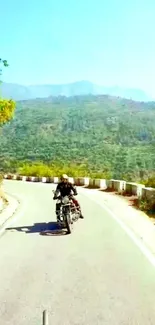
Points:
119	186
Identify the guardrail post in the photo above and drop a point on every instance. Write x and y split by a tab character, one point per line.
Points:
45	318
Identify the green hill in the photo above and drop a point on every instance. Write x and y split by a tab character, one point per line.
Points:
106	133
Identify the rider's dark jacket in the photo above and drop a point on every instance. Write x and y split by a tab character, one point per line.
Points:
65	189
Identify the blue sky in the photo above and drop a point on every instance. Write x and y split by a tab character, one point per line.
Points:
108	42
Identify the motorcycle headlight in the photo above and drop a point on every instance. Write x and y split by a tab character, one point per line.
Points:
65	200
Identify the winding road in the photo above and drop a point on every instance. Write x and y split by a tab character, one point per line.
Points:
96	276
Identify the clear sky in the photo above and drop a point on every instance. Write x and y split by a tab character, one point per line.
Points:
109	42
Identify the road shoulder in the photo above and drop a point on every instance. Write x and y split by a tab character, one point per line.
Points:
134	219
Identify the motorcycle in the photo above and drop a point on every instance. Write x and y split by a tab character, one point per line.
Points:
68	212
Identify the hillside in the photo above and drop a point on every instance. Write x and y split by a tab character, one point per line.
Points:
110	134
19	92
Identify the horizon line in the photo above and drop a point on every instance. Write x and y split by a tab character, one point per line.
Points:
73	82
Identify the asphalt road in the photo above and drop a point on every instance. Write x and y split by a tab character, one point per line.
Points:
95	276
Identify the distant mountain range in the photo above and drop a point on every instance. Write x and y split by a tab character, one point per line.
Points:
19	92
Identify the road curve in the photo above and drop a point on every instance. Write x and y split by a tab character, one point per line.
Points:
94	276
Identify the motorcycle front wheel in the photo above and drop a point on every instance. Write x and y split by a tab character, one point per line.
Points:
68	223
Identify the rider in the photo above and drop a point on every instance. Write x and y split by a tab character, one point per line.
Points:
66	188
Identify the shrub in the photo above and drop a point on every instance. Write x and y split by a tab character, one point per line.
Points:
147	206
150	182
7	108
40	169
1	178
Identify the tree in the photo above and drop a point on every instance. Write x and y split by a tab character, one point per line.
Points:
7	107
3	63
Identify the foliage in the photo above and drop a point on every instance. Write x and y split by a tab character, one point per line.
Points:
3	63
97	135
1	178
57	169
7	108
150	182
147	206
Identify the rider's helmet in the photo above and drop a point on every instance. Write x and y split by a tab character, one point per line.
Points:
64	178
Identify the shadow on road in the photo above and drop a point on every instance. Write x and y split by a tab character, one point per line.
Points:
44	228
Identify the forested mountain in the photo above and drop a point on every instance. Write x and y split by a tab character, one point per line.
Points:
109	134
19	92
